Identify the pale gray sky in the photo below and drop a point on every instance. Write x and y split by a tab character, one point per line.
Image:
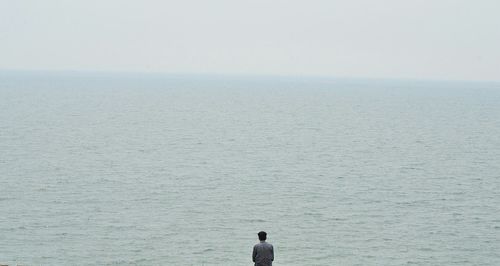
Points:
437	39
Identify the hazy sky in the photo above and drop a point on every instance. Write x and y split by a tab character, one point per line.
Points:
439	39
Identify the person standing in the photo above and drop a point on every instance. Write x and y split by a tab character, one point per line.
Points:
263	252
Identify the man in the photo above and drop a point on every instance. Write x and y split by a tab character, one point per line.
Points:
263	253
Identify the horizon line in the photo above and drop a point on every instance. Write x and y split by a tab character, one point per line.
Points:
234	75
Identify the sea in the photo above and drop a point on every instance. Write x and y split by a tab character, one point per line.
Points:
176	169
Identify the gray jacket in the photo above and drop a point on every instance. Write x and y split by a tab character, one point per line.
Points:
263	254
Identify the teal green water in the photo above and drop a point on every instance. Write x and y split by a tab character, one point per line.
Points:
179	170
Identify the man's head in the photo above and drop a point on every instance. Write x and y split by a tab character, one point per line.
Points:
262	235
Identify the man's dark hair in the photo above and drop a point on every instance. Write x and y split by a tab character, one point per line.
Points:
262	235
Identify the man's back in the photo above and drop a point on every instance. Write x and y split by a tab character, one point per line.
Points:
263	254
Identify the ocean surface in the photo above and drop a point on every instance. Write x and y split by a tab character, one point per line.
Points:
130	169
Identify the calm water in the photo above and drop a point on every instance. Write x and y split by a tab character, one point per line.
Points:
176	170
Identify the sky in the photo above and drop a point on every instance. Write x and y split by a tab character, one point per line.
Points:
422	39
